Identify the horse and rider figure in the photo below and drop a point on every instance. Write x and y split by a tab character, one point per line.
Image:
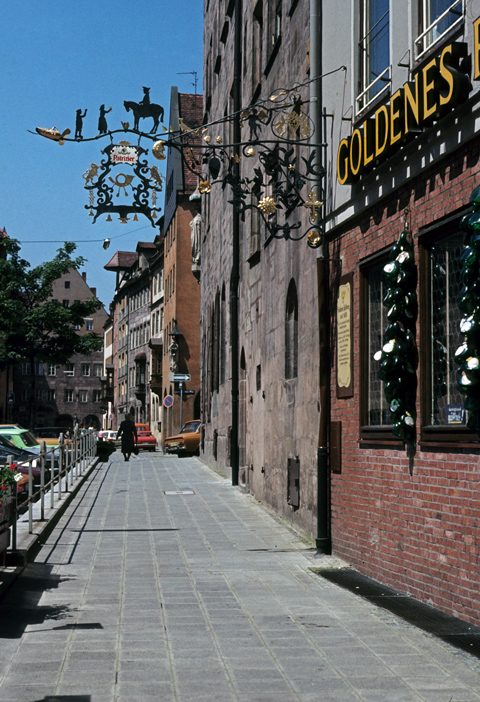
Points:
144	109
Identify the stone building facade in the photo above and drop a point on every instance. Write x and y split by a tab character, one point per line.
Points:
400	91
277	406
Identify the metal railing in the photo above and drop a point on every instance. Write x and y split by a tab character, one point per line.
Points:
58	468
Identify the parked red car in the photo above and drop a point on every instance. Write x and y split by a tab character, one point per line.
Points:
146	440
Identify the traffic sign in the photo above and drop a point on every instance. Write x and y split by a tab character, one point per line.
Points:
179	378
185	392
167	401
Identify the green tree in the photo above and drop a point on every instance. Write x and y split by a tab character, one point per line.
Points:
33	326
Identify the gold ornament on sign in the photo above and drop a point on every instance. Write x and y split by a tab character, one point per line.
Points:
250	152
91	173
314	239
204	187
158	150
207	139
157	177
183	127
109	219
125	125
219	140
123	220
295	122
127	179
135	218
267	205
313	205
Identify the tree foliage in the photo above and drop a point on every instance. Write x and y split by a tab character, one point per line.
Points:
32	324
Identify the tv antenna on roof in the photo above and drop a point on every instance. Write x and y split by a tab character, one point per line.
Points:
190	73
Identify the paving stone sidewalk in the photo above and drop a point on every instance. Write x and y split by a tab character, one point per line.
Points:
163	582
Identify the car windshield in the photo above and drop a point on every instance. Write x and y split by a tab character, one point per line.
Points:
190	427
28	438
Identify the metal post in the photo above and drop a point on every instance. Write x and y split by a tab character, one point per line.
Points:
42	479
322	540
14	522
180	385
61	455
75	454
30	494
52	478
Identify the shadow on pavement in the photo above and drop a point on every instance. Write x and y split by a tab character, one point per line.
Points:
19	607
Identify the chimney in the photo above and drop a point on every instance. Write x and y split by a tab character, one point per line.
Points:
84	275
94	292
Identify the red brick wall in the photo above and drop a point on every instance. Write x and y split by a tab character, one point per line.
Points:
413	524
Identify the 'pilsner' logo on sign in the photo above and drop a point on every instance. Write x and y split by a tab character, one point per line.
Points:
442	82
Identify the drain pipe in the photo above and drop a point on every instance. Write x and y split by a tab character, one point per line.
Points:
322	540
235	279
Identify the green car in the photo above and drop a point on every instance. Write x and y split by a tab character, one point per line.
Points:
21	437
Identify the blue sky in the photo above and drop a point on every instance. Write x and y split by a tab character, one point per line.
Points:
56	59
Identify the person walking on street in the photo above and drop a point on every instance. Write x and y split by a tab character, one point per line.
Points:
128	434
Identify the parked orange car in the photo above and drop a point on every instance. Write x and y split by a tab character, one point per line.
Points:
187	442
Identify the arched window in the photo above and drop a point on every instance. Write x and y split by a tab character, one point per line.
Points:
291	332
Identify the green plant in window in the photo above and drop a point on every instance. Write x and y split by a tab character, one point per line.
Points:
399	355
467	356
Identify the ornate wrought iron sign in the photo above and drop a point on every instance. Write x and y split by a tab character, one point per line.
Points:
284	176
285	169
105	186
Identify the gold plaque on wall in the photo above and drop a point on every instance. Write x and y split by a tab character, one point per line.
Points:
344	320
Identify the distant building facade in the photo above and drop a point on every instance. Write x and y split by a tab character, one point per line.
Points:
181	334
71	393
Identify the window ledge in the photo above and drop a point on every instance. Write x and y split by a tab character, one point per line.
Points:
379	436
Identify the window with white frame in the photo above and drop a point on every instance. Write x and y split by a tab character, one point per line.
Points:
68	396
51	395
89	324
435	19
97	370
83	396
86	370
97	395
70	369
374	51
39	395
25	368
52	370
